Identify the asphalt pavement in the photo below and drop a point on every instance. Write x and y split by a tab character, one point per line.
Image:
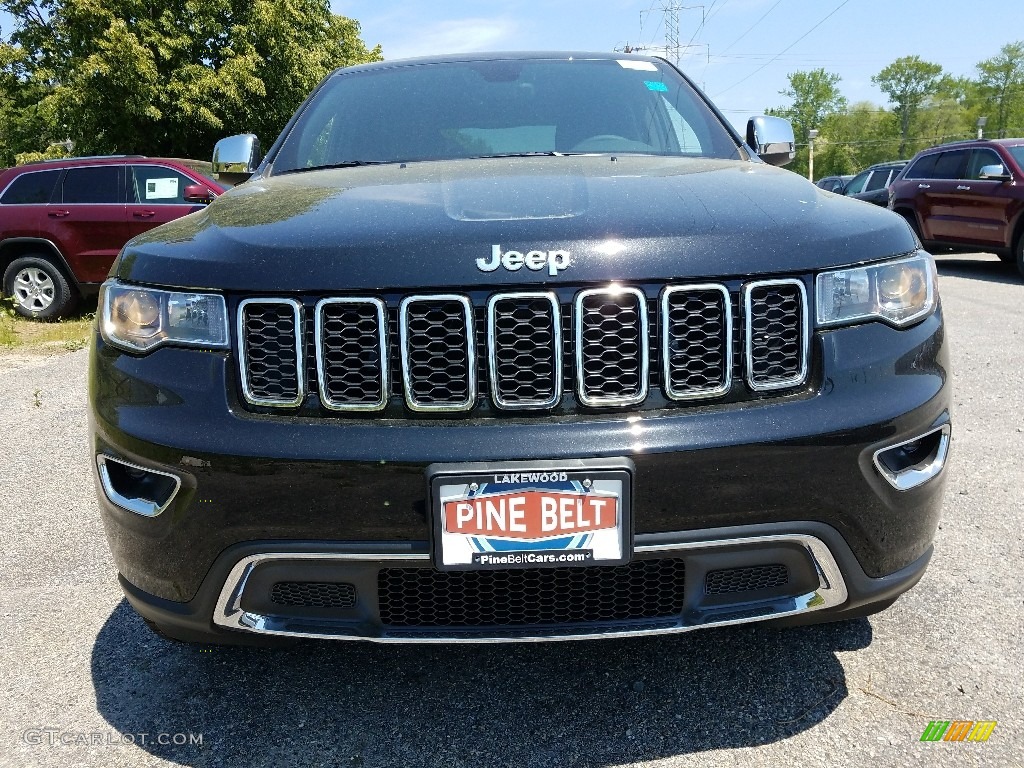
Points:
83	682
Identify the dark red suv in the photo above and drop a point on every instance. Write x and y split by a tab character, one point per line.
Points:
63	222
966	194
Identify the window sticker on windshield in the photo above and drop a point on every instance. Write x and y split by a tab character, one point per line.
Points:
643	66
654	85
161	189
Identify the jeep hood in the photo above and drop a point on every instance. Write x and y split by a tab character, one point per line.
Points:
425	225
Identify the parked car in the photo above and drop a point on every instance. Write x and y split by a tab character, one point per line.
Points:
872	184
966	195
834	183
499	347
62	222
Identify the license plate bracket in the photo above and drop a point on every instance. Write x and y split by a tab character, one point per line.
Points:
542	514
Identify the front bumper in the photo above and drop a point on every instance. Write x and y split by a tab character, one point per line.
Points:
797	466
825	583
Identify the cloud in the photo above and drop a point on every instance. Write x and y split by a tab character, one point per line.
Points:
454	36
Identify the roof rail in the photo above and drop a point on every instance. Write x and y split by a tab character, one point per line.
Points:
82	157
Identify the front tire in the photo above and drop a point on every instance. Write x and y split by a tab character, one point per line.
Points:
38	288
1018	252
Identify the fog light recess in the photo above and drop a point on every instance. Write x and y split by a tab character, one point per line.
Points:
134	488
914	462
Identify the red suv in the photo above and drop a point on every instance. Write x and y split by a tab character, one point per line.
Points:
969	193
63	222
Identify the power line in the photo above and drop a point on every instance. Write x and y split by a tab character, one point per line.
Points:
751	27
805	34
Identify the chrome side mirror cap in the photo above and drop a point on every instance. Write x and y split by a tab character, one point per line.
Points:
237	157
995	172
772	139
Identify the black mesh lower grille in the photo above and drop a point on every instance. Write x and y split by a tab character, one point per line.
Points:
313	594
423	597
746	579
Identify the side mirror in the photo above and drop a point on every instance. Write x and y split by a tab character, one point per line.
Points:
237	157
198	193
994	173
772	139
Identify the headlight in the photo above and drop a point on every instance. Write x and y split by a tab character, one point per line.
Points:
899	292
139	319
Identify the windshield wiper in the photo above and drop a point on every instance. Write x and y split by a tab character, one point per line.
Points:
551	153
342	164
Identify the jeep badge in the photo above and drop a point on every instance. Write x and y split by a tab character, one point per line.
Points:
556	261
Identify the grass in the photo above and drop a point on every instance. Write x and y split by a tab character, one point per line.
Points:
22	335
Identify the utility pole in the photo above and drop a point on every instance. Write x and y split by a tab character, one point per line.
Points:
811	136
671	13
670	10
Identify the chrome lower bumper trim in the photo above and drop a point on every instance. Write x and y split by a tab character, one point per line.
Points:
831	592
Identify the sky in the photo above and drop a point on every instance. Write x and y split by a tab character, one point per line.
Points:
741	50
738	51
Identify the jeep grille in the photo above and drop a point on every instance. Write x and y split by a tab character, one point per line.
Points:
526	350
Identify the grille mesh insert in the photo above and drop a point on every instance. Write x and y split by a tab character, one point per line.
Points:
697	331
642	589
611	357
525	353
313	594
350	354
746	579
775	335
437	353
272	361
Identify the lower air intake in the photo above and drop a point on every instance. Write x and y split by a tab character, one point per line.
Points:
423	597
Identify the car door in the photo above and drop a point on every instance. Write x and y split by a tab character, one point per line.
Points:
23	203
86	221
156	195
937	196
982	205
857	183
875	187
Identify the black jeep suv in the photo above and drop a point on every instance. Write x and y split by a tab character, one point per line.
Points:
514	347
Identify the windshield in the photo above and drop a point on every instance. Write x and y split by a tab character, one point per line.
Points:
1018	154
470	109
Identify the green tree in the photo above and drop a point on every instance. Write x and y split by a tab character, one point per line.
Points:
814	95
23	125
1001	87
908	82
850	141
172	76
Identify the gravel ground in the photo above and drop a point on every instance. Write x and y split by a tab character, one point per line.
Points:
85	683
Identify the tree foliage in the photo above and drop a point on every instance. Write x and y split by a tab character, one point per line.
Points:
908	82
815	96
926	107
1000	87
164	77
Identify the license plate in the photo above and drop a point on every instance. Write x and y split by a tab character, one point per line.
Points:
531	516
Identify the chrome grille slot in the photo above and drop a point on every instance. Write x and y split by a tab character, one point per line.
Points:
351	354
438	352
777	336
270	352
696	355
524	336
611	346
